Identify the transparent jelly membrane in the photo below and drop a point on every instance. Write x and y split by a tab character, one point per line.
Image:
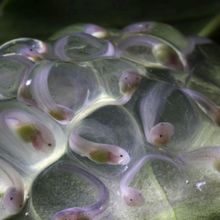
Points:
61	89
132	196
30	48
103	127
83	193
119	78
204	68
13	69
150	52
91	29
169	193
30	140
151	189
82	47
159	30
155	102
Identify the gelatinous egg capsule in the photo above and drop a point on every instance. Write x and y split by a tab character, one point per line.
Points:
207	105
130	195
209	154
28	47
167	56
161	134
129	81
133	197
13	200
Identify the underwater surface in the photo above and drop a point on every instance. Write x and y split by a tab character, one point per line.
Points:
99	123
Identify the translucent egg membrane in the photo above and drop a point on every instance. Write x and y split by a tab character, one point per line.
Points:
60	89
17	145
150	51
13	69
83	190
82	47
92	29
28	47
103	126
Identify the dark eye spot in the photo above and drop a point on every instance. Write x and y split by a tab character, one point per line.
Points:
161	135
31	49
11	198
49	144
131	200
121	155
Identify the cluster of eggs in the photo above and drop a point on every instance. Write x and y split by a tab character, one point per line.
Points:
101	98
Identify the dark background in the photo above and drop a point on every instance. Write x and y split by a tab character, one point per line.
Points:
39	19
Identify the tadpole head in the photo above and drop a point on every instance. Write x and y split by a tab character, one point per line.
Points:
129	81
13	200
121	157
133	197
161	134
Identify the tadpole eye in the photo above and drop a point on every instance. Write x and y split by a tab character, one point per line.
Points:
49	144
161	135
11	198
121	155
131	200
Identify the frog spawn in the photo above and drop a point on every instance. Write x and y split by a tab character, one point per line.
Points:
28	132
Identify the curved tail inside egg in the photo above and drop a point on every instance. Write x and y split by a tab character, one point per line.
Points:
43	98
92	210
